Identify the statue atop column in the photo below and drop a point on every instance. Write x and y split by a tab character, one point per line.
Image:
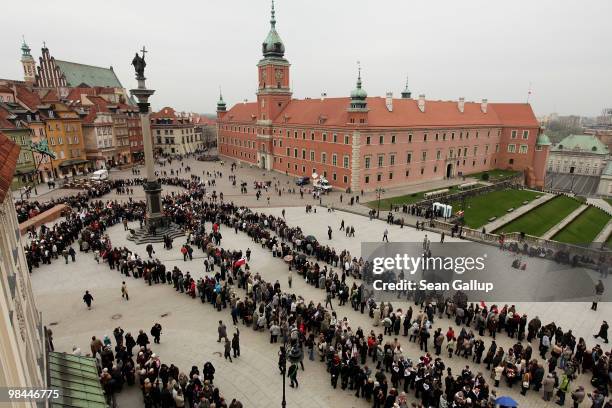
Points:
139	64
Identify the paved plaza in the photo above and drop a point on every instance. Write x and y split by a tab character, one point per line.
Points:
190	327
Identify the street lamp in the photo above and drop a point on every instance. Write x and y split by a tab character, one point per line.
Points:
379	193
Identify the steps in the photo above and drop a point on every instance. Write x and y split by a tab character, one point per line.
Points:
142	236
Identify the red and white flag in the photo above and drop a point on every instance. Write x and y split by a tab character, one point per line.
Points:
239	263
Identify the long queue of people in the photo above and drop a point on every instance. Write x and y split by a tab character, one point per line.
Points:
300	322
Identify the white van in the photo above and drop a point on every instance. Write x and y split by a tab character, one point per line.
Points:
322	184
100	175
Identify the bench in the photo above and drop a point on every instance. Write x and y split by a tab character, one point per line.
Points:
510	210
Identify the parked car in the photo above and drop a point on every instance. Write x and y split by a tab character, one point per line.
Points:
302	181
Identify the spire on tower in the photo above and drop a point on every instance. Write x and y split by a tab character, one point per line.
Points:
25	50
221	103
406	92
272	18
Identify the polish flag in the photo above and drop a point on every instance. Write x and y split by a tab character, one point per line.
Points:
239	263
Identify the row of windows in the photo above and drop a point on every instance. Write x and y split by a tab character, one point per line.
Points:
523	149
67	128
69	140
380	176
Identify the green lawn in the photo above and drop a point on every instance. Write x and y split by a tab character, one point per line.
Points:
537	221
494	175
385	203
608	200
584	228
494	204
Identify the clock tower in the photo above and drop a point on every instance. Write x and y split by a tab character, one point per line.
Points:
273	92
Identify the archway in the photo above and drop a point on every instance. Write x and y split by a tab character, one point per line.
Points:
449	170
262	161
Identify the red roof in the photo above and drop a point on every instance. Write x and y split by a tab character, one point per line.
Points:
515	114
9	153
28	98
4	122
405	113
203	120
164	113
50	96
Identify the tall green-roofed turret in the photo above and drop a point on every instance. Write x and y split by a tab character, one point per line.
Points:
273	45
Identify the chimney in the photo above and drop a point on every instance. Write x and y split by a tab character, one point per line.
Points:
389	101
483	105
422	102
461	104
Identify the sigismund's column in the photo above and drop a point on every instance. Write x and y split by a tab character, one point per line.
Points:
152	187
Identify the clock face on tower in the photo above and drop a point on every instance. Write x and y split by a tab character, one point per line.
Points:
279	74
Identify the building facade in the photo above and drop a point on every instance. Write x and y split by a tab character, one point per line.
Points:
174	132
361	142
579	154
13	123
22	343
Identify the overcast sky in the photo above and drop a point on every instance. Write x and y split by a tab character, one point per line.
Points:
448	48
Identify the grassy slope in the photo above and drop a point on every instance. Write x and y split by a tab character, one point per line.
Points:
539	220
584	228
494	204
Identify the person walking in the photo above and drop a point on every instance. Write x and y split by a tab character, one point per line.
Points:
599	291
290	279
222	330
124	291
87	298
329	232
292	374
578	396
227	347
386	235
142	340
156	332
603	332
236	343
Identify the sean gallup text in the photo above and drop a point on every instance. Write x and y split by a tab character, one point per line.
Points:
472	285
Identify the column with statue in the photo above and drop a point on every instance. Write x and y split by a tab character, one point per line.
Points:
152	187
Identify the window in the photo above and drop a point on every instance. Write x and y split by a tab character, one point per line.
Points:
312	155
345	160
513	134
422	171
392	159
393	139
497	148
379	177
334	177
325	137
295	153
367	179
381	139
346	139
407	173
295	134
523	149
334	159
312	136
323	157
425	137
475	150
367	162
381	160
511	161
390	176
408	157
438	155
423	155
345	179
410	138
437	136
303	154
303	135
335	138
525	134
368	140
511	148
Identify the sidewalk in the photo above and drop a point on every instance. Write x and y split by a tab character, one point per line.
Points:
604	233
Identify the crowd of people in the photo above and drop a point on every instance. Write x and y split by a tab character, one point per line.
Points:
377	368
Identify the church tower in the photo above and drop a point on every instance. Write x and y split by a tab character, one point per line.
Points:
28	63
358	108
273	92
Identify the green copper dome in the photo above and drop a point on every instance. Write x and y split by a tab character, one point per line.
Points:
220	103
543	140
25	50
273	45
359	92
